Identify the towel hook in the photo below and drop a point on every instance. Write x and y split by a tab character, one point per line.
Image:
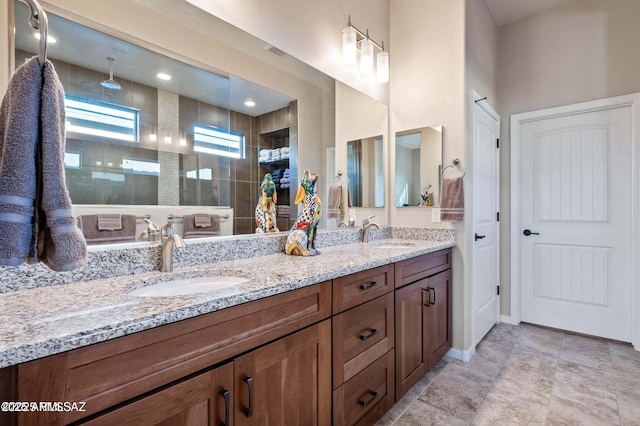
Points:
454	163
38	20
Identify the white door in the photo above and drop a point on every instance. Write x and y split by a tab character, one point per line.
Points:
575	218
486	202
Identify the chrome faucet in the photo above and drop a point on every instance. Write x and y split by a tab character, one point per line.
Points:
366	228
170	240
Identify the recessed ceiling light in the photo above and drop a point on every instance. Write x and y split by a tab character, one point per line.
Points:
50	39
250	103
163	76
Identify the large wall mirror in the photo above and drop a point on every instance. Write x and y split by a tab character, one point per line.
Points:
145	129
365	170
418	167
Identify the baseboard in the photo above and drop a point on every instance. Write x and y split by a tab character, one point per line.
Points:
464	356
505	319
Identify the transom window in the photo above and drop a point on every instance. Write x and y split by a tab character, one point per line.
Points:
95	118
211	140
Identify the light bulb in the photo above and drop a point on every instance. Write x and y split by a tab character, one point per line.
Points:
382	67
349	46
366	57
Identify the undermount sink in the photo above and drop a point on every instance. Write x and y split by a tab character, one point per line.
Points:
392	245
188	286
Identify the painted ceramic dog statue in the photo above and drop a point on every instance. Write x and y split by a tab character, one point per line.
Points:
266	207
301	240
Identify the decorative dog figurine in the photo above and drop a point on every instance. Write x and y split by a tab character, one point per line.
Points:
301	240
266	207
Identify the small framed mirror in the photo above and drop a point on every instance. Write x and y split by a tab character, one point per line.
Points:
365	170
418	167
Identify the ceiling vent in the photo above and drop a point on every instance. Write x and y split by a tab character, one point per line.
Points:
275	51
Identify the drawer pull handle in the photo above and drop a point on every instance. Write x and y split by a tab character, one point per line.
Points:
428	296
225	394
368	286
431	289
372	332
249	410
370	400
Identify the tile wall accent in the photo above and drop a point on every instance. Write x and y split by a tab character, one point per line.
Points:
168	156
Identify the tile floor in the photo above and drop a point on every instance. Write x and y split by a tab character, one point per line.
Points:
528	375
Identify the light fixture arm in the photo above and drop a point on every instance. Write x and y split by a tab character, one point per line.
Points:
365	35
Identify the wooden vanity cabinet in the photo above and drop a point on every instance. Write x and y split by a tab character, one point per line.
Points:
206	399
108	374
284	382
363	342
422	318
287	381
337	352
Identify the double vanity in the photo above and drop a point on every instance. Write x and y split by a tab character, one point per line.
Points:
331	339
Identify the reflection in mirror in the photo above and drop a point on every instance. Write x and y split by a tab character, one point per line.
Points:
138	137
418	165
365	169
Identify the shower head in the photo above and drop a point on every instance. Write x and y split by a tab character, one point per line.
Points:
111	83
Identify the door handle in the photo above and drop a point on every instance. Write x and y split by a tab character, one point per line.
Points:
428	296
249	410
528	232
434	295
479	237
225	394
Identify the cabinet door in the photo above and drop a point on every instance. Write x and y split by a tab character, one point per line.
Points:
438	322
411	356
287	381
203	400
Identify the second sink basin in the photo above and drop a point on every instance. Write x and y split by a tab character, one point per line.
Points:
188	286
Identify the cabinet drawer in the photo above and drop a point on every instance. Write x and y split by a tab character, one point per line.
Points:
414	269
111	372
356	289
366	397
360	336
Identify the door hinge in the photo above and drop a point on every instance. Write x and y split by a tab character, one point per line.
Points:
497	216
498	143
498	290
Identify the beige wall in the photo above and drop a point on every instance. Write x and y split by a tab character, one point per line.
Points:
427	88
311	31
581	51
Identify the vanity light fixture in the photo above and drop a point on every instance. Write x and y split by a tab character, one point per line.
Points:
351	37
163	76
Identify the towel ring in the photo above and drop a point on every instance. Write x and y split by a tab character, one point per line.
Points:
453	164
38	20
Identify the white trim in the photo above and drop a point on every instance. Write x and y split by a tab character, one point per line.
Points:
461	355
632	101
506	319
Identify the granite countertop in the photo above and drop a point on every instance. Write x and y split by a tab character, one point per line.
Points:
43	321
